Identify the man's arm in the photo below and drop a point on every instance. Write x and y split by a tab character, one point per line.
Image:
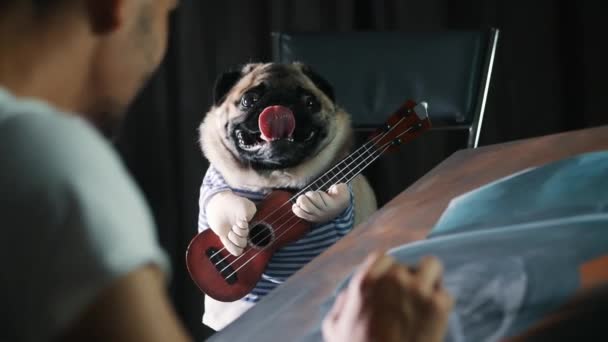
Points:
134	308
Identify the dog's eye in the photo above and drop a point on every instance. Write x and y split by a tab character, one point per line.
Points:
249	99
310	101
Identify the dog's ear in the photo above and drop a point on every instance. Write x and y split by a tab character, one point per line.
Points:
223	84
319	82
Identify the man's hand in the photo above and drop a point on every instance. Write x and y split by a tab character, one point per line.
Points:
386	301
320	206
228	216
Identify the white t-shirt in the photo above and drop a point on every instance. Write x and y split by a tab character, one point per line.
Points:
71	220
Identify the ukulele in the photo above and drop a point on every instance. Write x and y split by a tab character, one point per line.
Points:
227	278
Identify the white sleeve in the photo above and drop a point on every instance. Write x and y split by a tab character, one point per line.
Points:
213	182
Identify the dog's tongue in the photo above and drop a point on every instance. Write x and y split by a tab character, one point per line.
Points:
276	122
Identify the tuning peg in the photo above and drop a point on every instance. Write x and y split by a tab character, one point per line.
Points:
422	110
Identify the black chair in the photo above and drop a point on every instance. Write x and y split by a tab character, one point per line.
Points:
375	72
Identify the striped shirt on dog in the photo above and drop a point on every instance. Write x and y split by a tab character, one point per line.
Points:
289	259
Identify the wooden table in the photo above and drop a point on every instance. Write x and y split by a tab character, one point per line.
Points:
289	312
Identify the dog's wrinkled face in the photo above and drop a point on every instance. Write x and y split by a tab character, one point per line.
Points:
279	120
279	126
275	117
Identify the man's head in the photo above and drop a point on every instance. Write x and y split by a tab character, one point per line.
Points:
107	49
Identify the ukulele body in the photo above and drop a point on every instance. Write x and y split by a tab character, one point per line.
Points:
226	277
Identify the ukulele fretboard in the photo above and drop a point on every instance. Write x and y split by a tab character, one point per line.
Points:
347	169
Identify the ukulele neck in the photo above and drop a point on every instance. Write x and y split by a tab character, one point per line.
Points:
409	121
347	169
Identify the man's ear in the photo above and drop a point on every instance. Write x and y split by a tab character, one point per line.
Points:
106	16
223	84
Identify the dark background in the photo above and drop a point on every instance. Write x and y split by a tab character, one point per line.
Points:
548	78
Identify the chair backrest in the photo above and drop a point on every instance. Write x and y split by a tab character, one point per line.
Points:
375	72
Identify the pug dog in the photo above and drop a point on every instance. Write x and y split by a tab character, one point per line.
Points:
275	126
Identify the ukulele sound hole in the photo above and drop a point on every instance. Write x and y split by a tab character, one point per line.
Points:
222	266
260	235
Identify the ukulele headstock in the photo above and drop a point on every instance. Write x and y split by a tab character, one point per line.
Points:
407	123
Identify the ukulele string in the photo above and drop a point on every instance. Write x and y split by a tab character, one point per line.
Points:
364	146
306	188
329	173
383	149
370	142
380	151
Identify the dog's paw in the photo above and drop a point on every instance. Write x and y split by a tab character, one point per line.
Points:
320	206
228	216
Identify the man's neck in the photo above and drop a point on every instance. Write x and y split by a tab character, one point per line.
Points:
35	64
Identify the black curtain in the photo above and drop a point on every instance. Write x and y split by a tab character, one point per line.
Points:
548	78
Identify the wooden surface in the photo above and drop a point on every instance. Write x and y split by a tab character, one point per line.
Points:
291	311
